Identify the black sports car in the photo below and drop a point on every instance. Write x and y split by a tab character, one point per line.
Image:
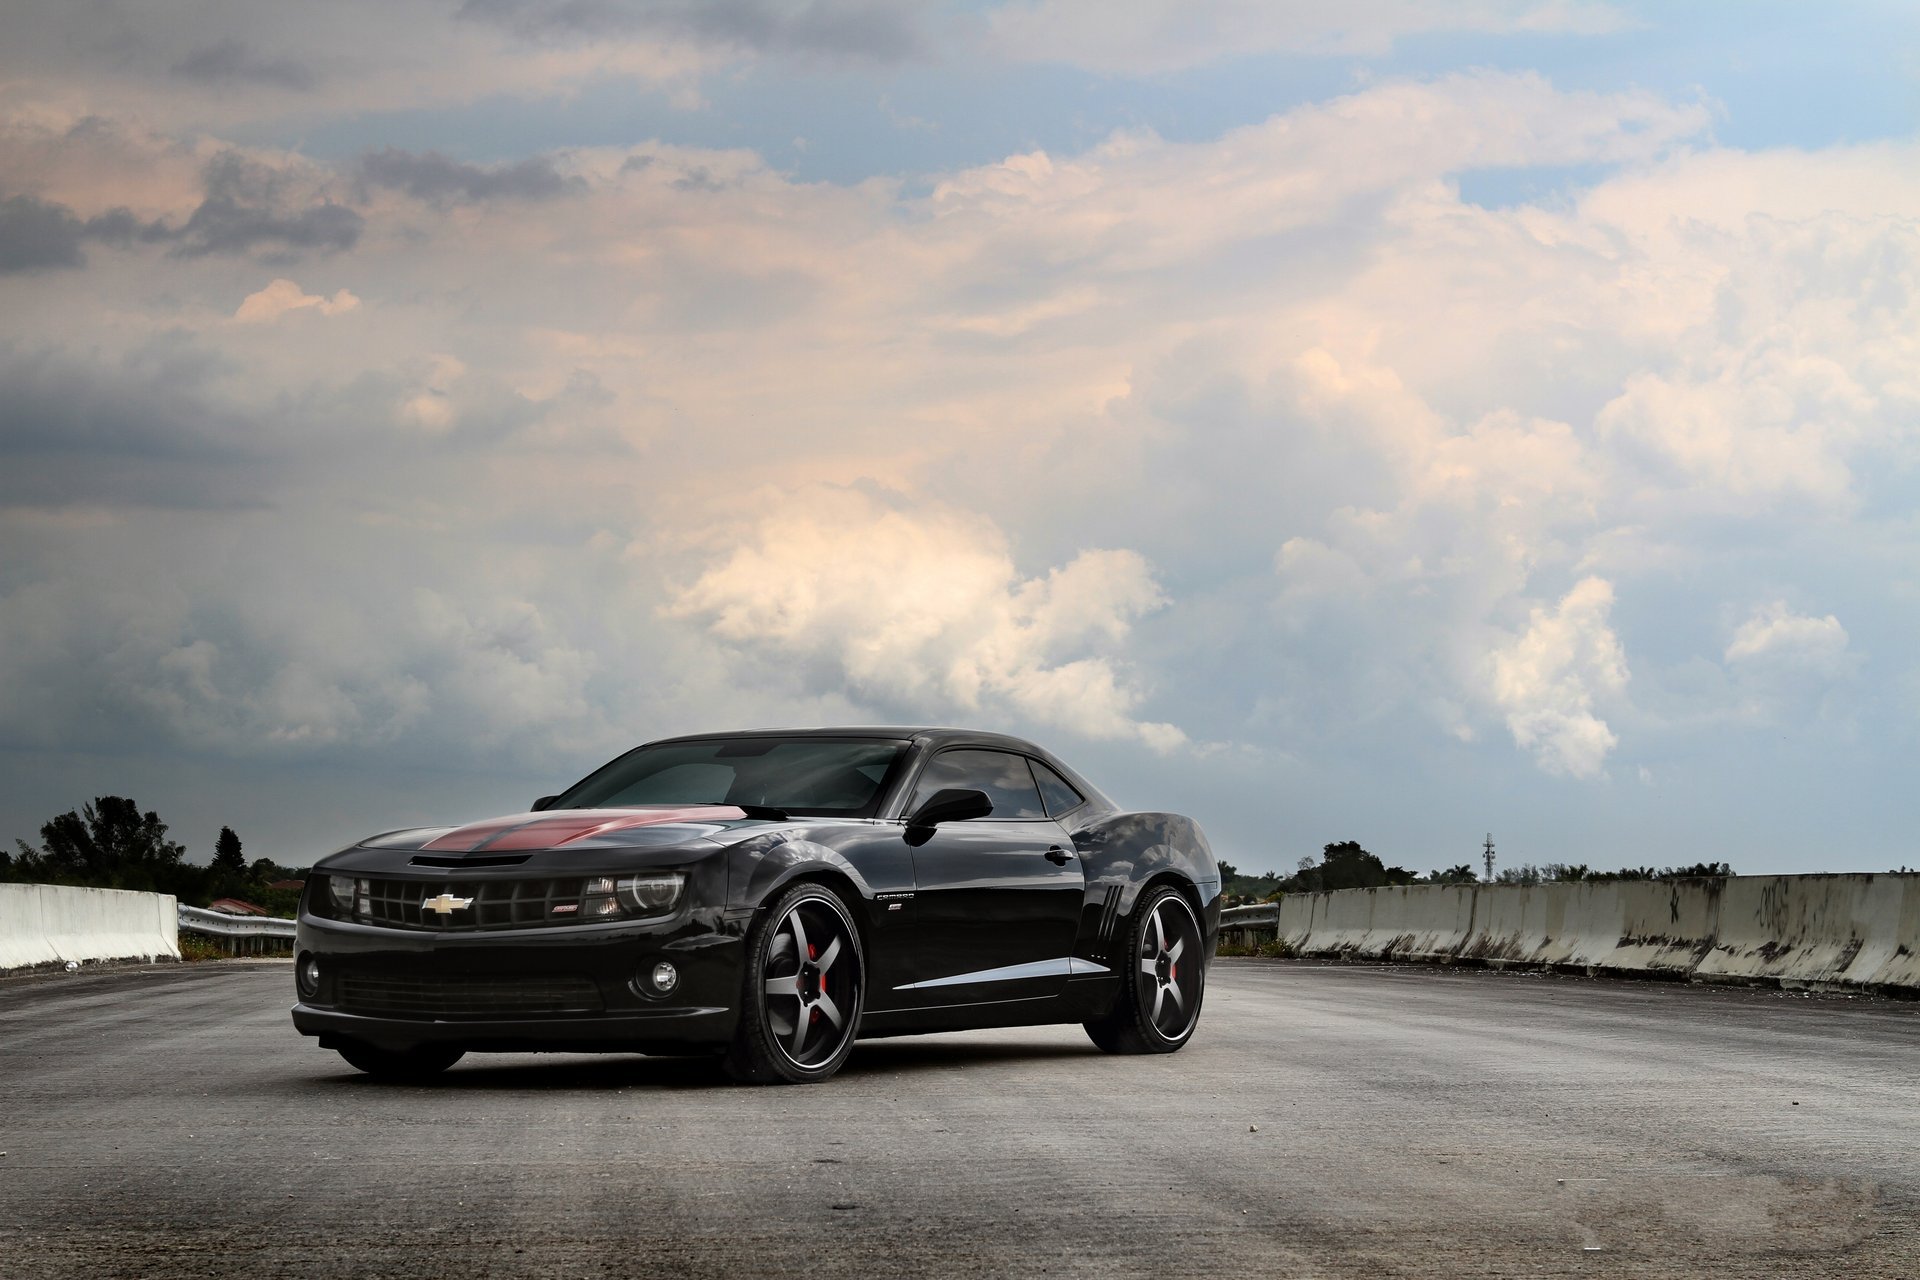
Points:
771	896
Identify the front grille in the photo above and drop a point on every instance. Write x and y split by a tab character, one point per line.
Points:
469	996
495	904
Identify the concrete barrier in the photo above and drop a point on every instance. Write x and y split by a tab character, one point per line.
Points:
1842	931
43	924
1851	930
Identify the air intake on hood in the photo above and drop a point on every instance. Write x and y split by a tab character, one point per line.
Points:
483	860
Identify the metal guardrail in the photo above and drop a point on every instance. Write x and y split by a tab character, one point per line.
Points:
222	925
1250	925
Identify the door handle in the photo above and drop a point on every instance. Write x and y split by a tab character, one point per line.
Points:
1058	856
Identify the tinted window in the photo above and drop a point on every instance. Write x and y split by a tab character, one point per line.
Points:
1003	777
1055	790
800	775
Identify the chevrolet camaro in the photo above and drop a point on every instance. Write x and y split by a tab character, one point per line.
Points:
768	897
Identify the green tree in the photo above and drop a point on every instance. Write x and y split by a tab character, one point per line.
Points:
1461	874
108	843
227	858
1712	870
1346	866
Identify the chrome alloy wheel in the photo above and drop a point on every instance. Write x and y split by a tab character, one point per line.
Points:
811	982
1170	968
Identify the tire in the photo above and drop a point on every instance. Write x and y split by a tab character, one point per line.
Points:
405	1065
802	993
1165	979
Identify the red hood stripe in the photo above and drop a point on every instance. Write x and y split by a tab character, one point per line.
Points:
551	830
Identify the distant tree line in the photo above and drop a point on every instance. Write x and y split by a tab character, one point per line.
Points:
110	844
1346	865
1554	872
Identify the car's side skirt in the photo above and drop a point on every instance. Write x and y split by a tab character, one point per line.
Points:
1083	999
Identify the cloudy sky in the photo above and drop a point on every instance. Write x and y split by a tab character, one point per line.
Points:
1394	421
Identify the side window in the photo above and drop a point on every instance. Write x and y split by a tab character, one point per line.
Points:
1056	790
1003	777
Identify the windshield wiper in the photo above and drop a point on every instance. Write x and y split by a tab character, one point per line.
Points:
767	812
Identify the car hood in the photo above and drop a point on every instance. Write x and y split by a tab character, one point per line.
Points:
569	828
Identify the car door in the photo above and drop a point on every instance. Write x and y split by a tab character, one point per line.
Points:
997	899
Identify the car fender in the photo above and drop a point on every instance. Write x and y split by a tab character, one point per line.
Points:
1123	854
760	869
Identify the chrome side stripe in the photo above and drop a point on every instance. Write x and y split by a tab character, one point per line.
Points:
1064	967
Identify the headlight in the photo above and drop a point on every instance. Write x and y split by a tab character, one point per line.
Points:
348	895
597	900
651	894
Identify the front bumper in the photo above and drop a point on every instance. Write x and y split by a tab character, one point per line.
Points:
573	988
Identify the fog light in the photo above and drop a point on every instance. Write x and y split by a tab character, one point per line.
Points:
307	977
665	977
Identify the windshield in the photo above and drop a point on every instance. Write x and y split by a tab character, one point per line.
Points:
826	776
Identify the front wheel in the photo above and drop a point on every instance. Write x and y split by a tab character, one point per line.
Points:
804	988
408	1065
1166	977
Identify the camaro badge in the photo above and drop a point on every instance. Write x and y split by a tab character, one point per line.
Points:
446	904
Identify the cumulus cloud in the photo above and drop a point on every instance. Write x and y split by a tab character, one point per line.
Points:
1779	391
917	605
248	206
35	235
1547	680
431	406
1788	668
281	296
38	234
244	205
437	179
1776	633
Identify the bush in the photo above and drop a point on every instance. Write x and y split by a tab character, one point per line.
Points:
197	946
1274	950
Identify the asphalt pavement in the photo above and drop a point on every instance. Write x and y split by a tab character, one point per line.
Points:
1325	1121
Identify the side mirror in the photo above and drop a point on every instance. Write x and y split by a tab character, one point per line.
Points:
951	804
542	803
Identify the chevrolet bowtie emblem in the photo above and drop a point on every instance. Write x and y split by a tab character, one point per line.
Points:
446	904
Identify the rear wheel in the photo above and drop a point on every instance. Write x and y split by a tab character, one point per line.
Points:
804	989
422	1063
1166	977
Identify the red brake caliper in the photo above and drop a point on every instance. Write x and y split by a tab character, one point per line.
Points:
819	980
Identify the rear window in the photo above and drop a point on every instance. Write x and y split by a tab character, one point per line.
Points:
1056	790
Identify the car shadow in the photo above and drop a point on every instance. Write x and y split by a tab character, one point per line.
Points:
911	1054
623	1071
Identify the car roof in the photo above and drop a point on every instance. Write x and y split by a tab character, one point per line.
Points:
933	735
